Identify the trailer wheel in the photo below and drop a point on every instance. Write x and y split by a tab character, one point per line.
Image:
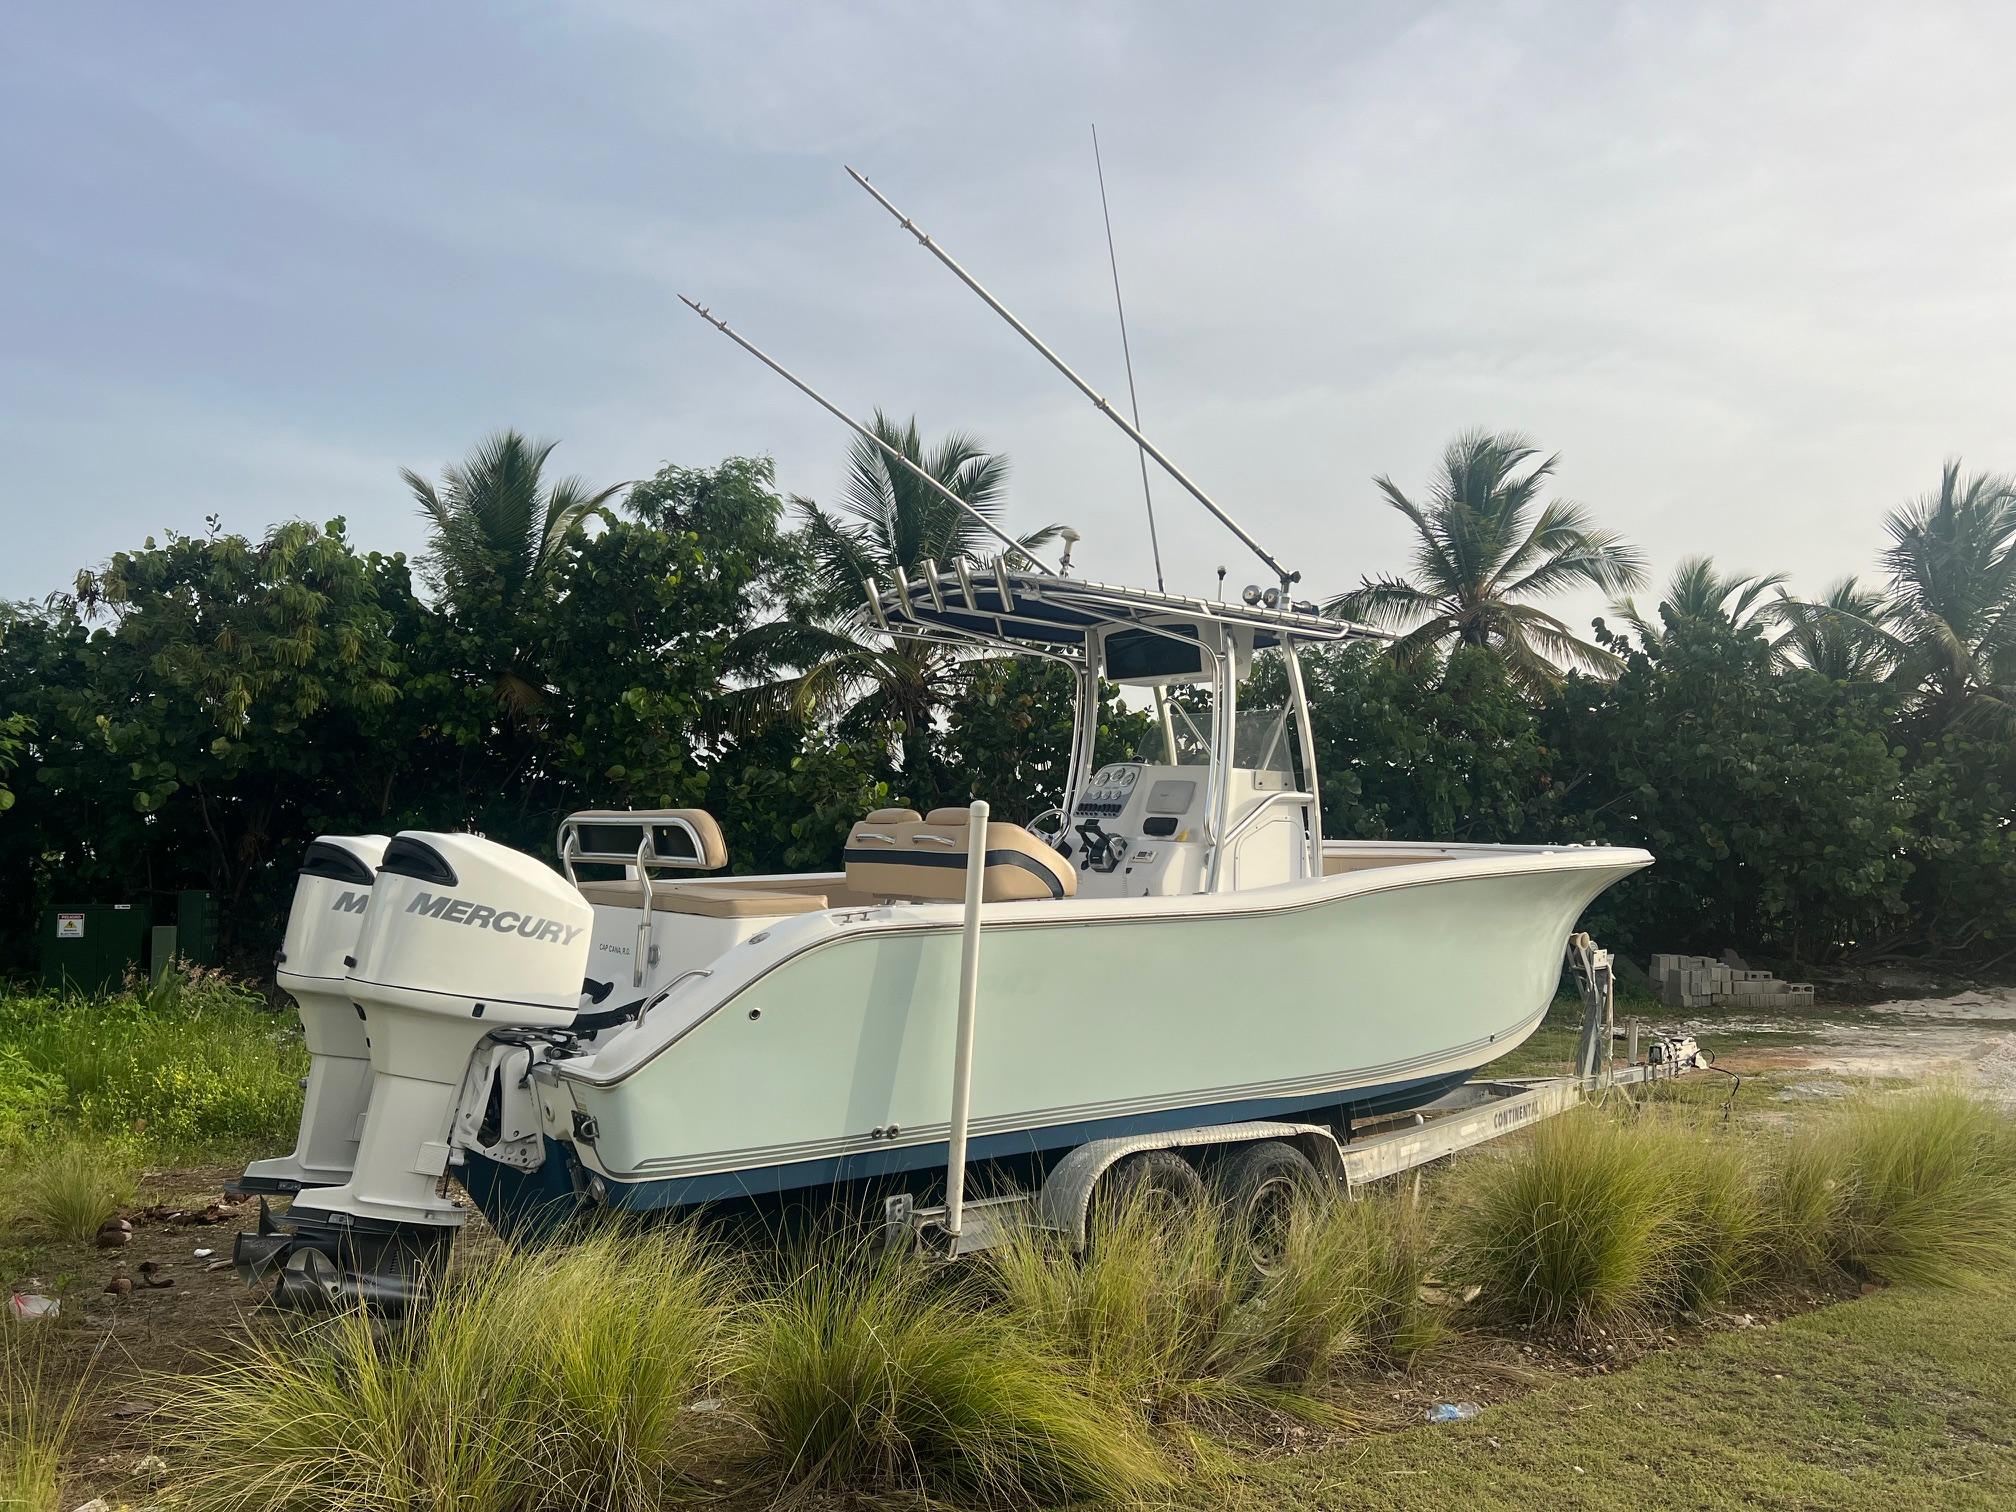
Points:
1158	1180
1259	1188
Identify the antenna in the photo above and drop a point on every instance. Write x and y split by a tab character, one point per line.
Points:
1133	399
1098	400
1014	546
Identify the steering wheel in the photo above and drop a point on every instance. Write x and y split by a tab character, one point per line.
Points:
1053	838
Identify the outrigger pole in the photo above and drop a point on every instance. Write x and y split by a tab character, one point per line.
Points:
1099	401
1014	546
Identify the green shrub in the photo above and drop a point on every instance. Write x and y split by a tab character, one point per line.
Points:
31	1100
865	1373
193	1067
547	1378
1576	1228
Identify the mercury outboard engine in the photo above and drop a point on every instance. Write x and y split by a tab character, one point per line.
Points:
463	936
330	902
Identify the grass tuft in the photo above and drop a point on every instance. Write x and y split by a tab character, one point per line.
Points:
882	1372
1720	1250
556	1377
1918	1189
37	1420
1351	1283
71	1188
1575	1229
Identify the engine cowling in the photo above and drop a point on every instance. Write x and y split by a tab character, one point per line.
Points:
331	900
462	936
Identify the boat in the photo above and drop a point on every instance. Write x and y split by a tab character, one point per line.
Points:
1174	946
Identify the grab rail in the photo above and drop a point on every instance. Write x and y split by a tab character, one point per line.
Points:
1252	814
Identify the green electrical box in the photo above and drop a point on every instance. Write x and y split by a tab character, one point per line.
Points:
88	947
195	927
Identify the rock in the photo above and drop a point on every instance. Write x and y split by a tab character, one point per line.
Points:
119	1286
112	1238
1734	961
96	1504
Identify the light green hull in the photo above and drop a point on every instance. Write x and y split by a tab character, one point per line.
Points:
834	1041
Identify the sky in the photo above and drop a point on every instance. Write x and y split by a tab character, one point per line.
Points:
1746	268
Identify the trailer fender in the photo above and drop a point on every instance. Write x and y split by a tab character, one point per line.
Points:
1065	1201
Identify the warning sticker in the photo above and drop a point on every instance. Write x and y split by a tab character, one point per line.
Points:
69	926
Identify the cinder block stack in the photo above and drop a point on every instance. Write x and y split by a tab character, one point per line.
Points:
1704	982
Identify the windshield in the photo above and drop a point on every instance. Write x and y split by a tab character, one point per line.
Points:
1260	739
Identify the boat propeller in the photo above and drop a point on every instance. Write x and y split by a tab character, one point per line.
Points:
316	1267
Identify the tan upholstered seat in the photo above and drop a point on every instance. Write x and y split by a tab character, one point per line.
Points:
620	831
894	854
709	900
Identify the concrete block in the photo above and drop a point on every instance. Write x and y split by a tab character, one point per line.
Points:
1673	990
1663	966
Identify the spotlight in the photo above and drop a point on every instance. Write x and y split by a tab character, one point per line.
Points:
1250	594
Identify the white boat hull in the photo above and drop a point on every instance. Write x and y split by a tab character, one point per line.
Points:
820	1052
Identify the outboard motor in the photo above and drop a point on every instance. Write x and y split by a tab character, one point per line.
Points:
330	901
462	937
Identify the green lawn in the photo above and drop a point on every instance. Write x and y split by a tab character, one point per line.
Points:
1905	1399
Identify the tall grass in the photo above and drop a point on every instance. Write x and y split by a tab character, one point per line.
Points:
864	1371
1351	1284
1598	1220
558	1377
72	1187
37	1421
1720	1250
1150	1312
1918	1189
1578	1228
1169	1312
190	1067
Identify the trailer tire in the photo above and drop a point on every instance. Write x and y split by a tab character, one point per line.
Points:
1159	1179
1259	1188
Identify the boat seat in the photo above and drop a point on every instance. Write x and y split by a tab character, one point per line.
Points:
706	899
894	854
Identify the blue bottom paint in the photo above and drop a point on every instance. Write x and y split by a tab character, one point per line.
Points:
523	1204
519	1202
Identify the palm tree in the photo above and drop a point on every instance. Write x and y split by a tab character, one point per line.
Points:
1487	542
836	665
1952	566
1842	635
1698	591
496	527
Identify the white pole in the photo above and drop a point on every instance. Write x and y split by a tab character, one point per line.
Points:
969	990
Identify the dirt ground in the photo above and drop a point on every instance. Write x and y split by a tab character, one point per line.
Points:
1968	1038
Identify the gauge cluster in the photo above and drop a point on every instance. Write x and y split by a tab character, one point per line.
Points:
1108	791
